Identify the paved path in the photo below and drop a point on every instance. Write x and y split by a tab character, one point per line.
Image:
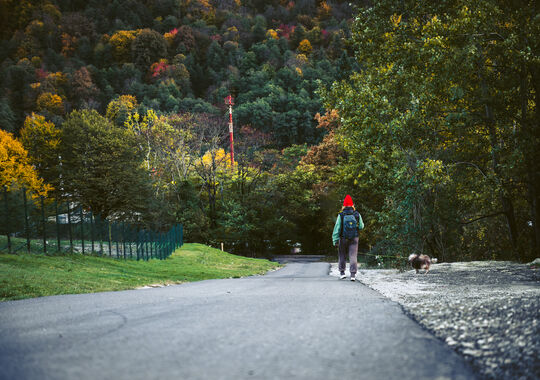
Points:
295	323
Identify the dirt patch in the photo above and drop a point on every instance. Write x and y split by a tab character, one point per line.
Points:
489	312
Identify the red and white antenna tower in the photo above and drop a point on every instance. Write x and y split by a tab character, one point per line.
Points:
229	101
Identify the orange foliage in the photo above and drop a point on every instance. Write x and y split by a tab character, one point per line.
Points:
324	10
329	121
68	44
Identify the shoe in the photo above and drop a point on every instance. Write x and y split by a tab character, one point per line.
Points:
342	276
353	278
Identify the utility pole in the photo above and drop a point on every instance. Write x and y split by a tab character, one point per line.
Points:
229	101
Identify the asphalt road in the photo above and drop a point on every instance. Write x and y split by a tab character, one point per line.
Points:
295	323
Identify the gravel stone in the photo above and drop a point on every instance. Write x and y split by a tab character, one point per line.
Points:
487	311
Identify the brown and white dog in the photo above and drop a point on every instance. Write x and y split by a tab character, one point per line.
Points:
421	262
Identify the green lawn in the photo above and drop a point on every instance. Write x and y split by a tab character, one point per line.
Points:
26	276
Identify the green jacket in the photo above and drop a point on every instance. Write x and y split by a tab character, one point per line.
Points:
337	228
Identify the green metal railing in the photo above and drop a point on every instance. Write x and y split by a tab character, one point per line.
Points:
43	225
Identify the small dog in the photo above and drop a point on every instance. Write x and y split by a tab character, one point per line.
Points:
421	262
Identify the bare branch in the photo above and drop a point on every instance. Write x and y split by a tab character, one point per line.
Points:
482	217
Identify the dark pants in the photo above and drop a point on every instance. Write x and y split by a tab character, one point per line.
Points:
348	247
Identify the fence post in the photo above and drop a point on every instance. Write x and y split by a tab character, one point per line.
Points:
146	243
100	234
163	246
115	228
82	228
27	227
44	225
109	236
156	245
124	239
7	219
156	256
174	234
143	244
69	228
151	241
130	231
166	250
92	229
181	235
57	225
138	237
170	241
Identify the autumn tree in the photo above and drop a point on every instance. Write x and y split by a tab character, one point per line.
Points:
305	47
16	171
119	109
42	140
211	165
51	103
121	42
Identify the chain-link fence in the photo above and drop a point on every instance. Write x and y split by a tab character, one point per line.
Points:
43	225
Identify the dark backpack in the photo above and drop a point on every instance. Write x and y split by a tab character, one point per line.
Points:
349	224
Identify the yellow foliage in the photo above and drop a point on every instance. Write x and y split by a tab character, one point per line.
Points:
15	169
37	130
386	69
299	71
123	104
395	19
302	59
271	33
57	79
121	42
141	126
433	172
169	37
36	61
218	157
51	103
305	47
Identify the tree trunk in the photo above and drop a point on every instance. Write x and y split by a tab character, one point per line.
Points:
506	202
533	169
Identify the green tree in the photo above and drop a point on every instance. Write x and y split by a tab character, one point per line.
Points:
100	167
148	47
7	117
430	125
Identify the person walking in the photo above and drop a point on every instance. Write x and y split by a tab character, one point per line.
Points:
345	236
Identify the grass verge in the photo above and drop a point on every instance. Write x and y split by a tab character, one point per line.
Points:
27	276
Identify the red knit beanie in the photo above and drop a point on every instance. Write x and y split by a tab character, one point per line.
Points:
348	201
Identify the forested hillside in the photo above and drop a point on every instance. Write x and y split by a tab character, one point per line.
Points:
175	56
120	106
426	114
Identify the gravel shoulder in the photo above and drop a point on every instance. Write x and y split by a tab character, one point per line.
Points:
489	312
